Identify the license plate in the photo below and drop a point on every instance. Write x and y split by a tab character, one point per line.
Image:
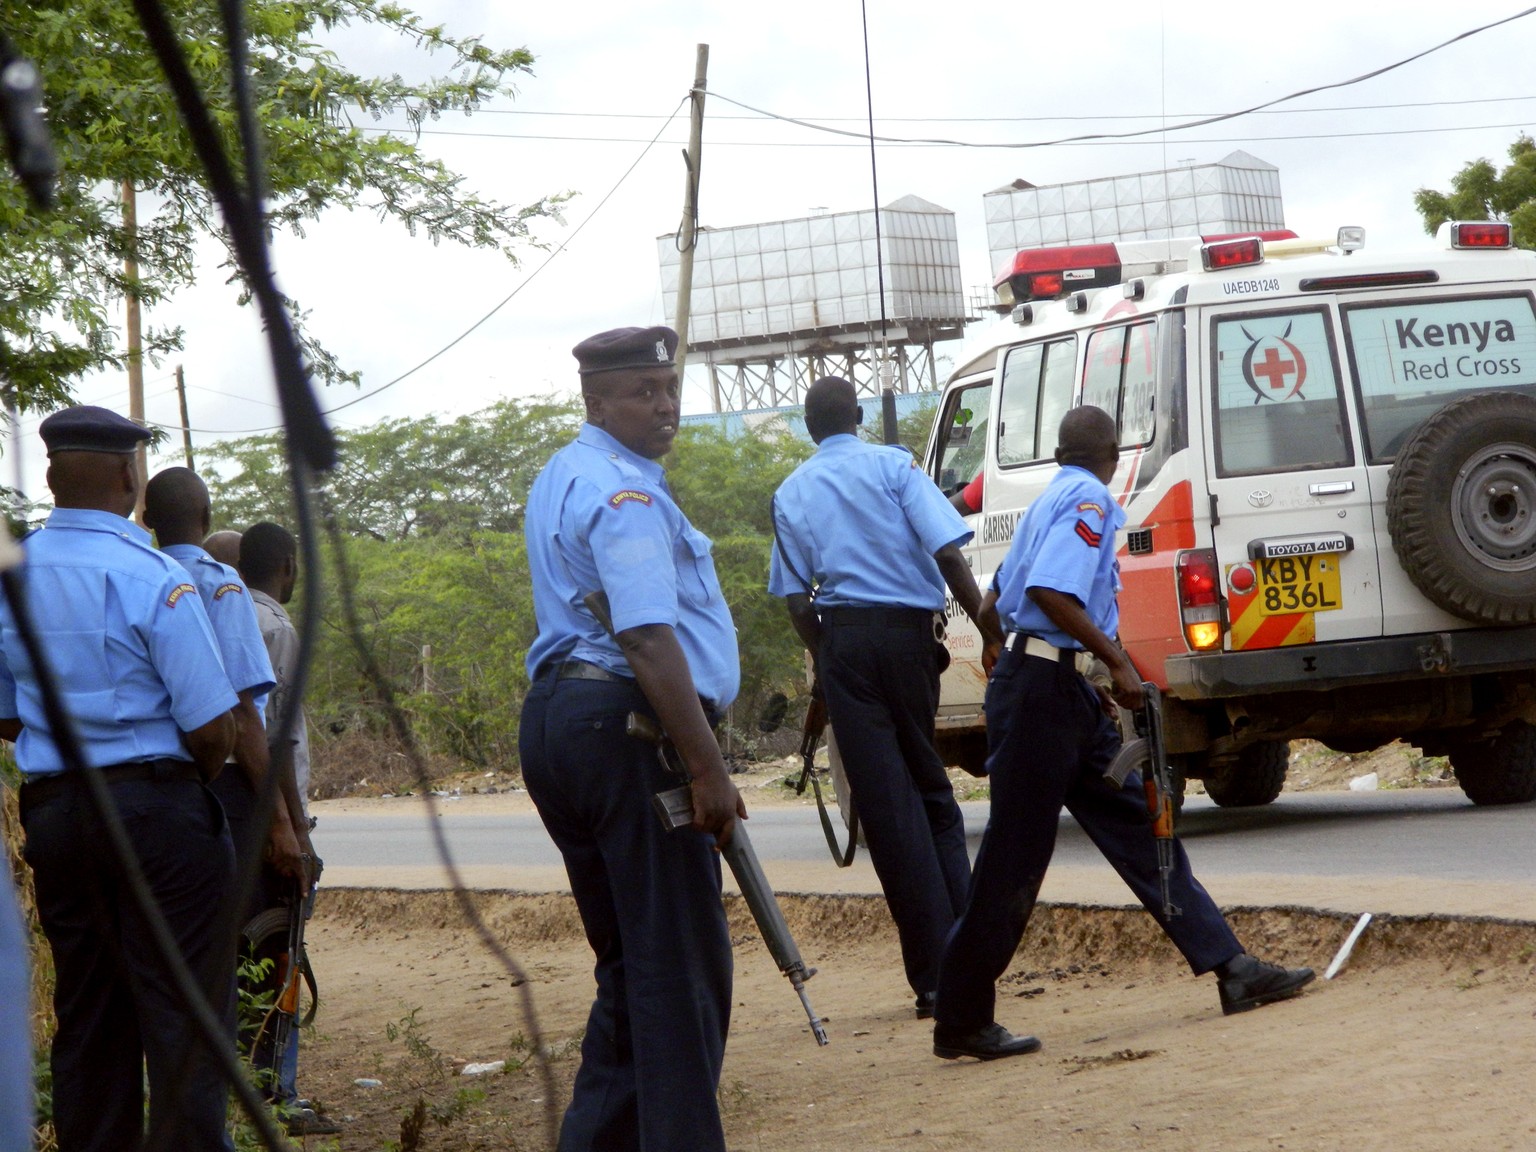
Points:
1291	584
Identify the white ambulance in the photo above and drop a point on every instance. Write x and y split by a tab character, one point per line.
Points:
1329	470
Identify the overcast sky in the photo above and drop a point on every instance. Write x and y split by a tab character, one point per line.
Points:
608	75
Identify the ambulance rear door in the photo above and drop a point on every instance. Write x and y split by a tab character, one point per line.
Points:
1290	499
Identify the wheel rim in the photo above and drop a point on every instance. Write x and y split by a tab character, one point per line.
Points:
1493	507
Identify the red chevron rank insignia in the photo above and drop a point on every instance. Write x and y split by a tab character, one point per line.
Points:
1089	536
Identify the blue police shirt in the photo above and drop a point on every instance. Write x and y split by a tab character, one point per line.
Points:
233	617
601	517
862	521
1065	542
129	641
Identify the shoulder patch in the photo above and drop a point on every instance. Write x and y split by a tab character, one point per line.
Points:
627	494
178	592
1089	506
223	589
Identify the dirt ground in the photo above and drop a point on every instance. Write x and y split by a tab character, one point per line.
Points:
1425	1040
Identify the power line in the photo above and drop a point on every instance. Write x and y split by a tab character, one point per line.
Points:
1019	119
504	301
861	139
1179	127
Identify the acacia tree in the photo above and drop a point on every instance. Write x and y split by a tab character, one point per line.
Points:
114	120
1482	192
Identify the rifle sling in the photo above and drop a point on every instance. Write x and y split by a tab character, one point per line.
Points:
842	857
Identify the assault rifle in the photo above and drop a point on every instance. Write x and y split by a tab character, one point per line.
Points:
291	966
675	808
1149	754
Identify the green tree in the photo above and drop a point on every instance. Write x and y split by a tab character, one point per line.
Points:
1482	192
113	120
406	477
724	485
911	430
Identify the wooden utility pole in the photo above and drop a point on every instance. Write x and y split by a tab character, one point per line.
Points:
135	346
687	234
186	423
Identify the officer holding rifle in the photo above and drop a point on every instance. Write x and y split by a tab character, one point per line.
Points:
601	518
1051	736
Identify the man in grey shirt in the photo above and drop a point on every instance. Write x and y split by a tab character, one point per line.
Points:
269	566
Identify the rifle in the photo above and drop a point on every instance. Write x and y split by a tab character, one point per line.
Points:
292	966
1149	753
810	737
675	808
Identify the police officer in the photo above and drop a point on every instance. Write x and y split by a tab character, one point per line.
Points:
600	518
878	541
138	670
178	512
15	1026
1050	735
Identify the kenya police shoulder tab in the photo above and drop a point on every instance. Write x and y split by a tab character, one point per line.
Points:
225	589
177	593
627	495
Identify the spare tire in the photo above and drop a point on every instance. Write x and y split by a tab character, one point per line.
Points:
1461	508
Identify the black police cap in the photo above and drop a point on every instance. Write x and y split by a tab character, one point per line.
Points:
625	348
87	428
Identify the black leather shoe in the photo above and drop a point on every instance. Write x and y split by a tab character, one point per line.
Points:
990	1043
923	1008
308	1122
1247	982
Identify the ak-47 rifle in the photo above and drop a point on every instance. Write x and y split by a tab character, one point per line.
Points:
810	738
1149	753
675	808
291	967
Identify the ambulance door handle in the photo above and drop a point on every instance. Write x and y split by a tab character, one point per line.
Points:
1332	488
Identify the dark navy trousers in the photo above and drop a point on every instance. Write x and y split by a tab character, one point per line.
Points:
1049	742
117	1009
881	681
650	904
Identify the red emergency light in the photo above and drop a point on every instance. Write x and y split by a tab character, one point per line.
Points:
1046	273
1482	235
1226	254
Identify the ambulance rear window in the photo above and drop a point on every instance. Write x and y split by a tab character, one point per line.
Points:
1279	407
1412	357
1120	376
1038	381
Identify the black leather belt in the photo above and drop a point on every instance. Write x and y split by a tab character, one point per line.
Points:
584	670
876	616
43	788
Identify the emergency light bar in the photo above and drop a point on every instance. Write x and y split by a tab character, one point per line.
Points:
1052	273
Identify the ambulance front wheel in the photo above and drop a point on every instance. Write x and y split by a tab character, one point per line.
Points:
1255	776
1501	770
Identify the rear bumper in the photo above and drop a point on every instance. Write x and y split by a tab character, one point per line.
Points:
1347	663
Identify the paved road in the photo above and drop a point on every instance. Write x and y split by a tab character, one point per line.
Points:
1412	851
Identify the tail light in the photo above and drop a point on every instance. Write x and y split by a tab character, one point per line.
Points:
1199	584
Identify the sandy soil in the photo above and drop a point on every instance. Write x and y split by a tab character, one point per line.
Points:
1426	1039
